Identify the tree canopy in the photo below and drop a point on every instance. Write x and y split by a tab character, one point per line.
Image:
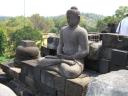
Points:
15	29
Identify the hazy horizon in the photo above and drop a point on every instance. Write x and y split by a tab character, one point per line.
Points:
58	7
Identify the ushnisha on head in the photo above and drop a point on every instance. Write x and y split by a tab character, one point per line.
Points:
73	16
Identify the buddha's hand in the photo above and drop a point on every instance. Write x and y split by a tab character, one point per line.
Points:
59	55
40	59
69	57
69	62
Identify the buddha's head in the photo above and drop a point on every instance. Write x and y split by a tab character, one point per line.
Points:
73	17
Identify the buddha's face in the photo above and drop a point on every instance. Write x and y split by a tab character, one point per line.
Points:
73	19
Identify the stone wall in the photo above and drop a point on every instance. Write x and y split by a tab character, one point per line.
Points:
112	54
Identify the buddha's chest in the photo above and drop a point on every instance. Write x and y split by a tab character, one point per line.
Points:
70	36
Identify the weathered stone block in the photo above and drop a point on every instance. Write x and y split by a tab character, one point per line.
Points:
44	51
49	78
42	76
104	66
52	42
47	91
24	70
77	86
14	72
20	88
105	53
60	93
92	65
30	82
109	40
37	75
31	73
28	68
62	86
60	83
94	50
53	80
49	83
115	68
119	57
116	41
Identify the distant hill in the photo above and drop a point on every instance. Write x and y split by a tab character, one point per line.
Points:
91	20
93	16
3	17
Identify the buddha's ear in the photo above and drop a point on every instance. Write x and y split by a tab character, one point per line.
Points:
78	18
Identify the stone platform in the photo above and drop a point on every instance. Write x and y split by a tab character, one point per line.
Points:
46	83
49	83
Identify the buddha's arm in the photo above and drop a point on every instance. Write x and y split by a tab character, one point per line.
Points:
83	43
60	45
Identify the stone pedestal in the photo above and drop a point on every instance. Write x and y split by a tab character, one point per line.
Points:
50	83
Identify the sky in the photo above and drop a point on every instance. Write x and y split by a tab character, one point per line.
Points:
58	7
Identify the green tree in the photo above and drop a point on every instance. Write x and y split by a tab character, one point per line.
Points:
49	26
26	33
14	23
83	22
54	30
59	21
2	42
10	25
38	22
101	24
120	12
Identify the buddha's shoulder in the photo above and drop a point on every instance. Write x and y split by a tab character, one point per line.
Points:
81	29
64	27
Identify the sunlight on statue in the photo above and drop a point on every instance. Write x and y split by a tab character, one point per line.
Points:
73	47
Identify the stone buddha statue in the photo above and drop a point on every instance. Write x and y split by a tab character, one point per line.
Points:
73	47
